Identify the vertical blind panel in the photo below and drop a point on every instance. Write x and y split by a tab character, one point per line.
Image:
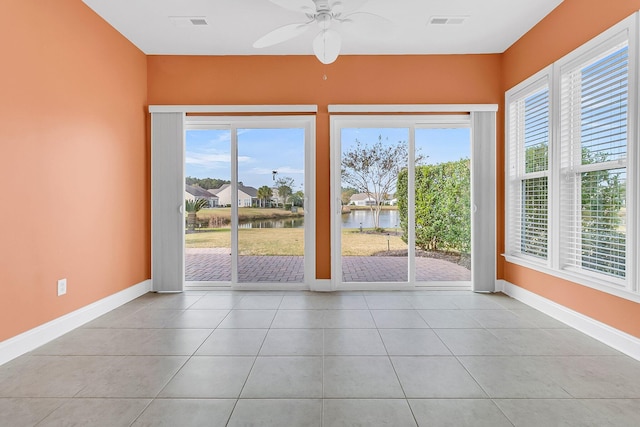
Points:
483	196
167	195
594	107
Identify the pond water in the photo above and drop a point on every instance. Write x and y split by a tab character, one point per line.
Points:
389	219
274	223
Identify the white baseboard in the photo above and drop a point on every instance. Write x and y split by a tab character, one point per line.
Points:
321	285
621	341
40	335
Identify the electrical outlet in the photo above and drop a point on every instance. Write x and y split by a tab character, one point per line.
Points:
62	287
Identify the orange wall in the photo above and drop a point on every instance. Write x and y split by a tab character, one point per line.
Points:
298	80
73	163
572	24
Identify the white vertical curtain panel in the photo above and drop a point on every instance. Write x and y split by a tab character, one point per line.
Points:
167	199
483	198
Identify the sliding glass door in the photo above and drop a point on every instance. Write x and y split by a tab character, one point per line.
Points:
373	247
402	192
207	245
249	210
271	208
442	213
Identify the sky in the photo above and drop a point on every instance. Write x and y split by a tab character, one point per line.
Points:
261	151
437	145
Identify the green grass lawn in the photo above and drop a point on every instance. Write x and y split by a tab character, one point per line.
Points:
289	241
355	243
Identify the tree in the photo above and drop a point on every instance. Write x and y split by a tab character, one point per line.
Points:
193	207
285	188
297	199
264	194
206	183
373	169
346	193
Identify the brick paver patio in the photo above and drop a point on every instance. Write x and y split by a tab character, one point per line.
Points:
215	265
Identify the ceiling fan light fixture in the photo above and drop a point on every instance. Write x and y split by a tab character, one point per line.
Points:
326	46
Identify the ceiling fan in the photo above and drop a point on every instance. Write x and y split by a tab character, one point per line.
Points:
324	13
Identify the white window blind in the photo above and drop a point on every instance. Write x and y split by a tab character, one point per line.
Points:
593	138
528	155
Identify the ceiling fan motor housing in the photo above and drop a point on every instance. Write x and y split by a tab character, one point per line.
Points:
322	6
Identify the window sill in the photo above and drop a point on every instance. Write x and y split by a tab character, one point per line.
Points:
580	279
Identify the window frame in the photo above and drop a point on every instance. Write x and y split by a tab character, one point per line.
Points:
515	173
628	288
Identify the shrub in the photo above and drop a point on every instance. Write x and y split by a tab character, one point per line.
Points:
442	206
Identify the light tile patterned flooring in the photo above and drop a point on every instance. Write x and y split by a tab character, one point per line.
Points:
300	359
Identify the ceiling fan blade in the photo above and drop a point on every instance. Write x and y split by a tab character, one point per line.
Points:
337	7
326	46
367	24
305	6
366	18
280	35
349	6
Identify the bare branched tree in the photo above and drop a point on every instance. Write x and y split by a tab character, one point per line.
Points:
373	169
285	188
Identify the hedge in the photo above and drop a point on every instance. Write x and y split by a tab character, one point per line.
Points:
442	208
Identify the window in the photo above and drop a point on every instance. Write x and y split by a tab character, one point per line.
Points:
528	170
594	138
571	171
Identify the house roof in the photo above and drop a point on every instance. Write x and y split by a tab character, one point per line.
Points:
248	190
217	190
199	192
361	196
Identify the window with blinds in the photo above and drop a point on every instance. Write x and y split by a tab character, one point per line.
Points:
594	139
572	154
528	172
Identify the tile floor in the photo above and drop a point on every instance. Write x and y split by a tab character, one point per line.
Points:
300	359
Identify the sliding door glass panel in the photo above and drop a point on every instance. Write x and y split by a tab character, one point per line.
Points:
442	205
207	211
373	247
270	198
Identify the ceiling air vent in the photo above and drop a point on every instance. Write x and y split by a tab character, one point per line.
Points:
198	21
447	20
189	21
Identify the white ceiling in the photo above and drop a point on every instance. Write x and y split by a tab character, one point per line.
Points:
233	25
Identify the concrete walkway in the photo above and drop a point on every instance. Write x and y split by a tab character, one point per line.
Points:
215	265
